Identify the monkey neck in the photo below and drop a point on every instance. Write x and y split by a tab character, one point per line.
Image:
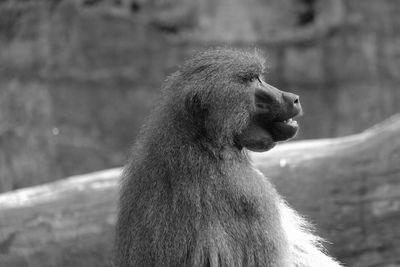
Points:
198	132
178	143
217	148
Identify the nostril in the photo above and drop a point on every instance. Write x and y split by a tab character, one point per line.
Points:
291	99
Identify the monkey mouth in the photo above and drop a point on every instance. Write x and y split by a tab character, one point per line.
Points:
284	127
263	132
283	130
291	122
262	135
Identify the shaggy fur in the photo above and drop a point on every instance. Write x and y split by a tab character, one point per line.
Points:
190	196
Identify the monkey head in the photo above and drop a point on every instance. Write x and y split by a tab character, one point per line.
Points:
272	119
228	103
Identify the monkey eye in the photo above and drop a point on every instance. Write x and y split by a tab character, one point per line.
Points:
253	79
257	80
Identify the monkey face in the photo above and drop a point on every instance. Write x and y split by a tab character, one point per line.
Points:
272	120
227	104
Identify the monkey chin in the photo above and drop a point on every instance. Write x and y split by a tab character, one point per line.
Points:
261	137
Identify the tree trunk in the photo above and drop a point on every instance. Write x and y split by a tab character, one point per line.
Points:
349	187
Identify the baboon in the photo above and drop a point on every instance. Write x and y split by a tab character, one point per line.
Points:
190	195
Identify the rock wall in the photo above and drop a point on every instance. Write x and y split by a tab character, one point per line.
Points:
77	77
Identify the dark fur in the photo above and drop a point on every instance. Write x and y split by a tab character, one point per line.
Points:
190	196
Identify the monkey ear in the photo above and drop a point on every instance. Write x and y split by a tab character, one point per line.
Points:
193	105
196	109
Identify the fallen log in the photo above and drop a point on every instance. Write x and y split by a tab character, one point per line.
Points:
66	223
349	187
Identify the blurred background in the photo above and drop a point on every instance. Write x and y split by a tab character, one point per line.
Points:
77	77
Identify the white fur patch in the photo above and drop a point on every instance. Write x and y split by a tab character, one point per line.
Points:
306	249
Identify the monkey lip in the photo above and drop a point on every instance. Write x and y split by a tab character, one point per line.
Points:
284	130
288	121
291	122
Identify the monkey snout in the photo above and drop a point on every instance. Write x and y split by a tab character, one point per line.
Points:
266	98
292	101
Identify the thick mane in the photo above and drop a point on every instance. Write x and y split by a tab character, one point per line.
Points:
220	62
190	195
208	95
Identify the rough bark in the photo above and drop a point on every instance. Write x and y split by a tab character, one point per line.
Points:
349	187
